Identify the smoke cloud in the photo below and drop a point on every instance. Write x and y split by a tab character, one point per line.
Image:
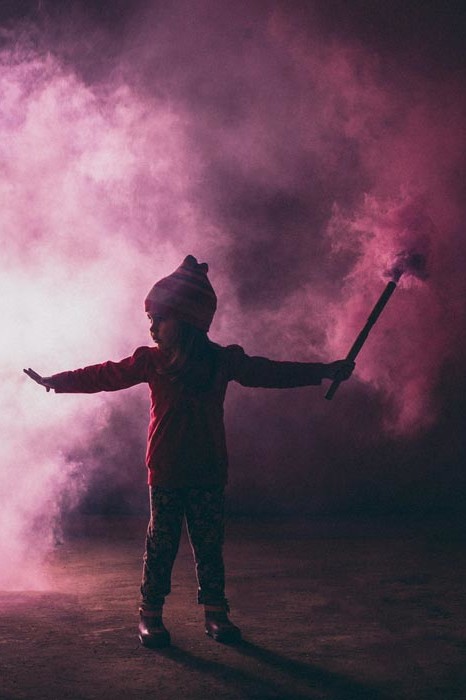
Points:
299	153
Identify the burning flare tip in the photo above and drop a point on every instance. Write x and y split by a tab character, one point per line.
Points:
408	262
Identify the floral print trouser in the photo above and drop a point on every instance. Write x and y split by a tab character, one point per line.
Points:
203	510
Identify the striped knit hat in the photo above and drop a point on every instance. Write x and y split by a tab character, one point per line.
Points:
185	295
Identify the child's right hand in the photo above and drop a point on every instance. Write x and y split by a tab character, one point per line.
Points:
339	371
43	381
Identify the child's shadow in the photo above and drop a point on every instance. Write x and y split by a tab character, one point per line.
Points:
261	683
335	685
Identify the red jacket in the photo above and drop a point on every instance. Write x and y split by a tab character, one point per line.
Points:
186	440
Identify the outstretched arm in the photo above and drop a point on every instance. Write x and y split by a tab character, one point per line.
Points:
108	376
43	381
262	372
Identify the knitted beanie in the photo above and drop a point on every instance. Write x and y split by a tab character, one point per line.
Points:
185	295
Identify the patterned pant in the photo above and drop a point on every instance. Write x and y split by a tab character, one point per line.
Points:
204	513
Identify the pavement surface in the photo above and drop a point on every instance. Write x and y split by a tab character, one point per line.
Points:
329	609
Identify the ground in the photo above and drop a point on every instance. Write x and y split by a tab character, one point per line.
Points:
329	609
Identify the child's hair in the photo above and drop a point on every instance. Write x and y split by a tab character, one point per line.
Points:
192	361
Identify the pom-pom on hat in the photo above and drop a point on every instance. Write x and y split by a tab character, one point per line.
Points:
185	295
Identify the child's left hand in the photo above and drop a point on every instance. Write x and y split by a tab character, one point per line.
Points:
43	381
339	370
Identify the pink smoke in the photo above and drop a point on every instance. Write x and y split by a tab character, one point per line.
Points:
411	147
296	163
85	176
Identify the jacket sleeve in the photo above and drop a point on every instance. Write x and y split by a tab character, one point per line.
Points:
109	376
262	372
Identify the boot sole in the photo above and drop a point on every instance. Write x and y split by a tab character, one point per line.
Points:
225	638
155	642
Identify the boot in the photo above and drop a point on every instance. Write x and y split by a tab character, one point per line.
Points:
219	627
152	631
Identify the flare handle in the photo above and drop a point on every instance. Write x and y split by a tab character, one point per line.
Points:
362	337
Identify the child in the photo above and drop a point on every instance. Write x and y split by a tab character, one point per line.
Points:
188	376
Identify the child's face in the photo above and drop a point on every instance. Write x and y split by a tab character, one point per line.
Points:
164	332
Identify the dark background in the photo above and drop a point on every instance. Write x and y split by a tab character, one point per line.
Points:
290	451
